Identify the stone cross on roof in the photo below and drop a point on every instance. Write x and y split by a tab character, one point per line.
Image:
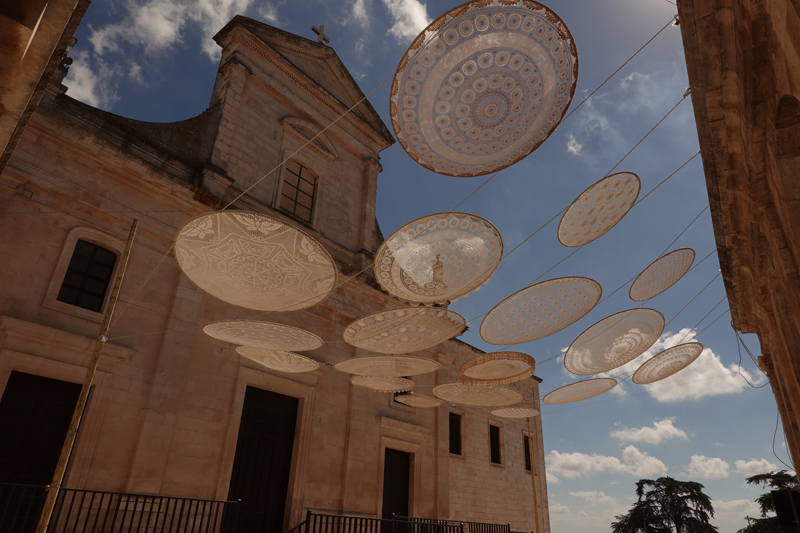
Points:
321	34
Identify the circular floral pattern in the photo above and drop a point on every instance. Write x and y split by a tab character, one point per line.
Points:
540	310
388	365
477	396
598	209
382	383
516	412
438	258
614	341
415	400
667	363
255	261
281	361
498	368
662	274
483	86
410	329
265	335
582	390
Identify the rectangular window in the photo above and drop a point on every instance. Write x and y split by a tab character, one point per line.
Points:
455	434
527	453
299	186
494	444
88	275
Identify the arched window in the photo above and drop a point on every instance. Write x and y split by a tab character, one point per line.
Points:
299	187
88	275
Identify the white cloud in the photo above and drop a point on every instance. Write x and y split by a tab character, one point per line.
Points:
754	466
360	13
748	507
706	376
661	431
552	478
90	86
159	24
410	18
708	467
269	12
573	146
135	73
558	508
595	496
634	461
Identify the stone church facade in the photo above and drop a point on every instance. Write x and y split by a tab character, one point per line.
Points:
171	406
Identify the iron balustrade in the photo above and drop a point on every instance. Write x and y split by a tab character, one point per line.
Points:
94	511
326	523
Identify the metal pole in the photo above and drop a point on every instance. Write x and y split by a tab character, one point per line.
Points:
533	478
66	450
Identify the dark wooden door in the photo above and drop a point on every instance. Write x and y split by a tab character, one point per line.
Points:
260	476
35	413
396	476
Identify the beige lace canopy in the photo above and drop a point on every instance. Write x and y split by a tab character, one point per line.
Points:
483	86
662	274
667	363
405	330
266	335
279	360
582	390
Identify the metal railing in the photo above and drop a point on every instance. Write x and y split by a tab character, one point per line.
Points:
325	523
94	511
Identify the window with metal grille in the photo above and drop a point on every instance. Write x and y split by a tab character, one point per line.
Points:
299	186
455	434
494	443
527	452
88	275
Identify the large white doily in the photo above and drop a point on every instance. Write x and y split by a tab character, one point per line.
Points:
614	341
382	383
255	261
662	274
415	400
667	363
497	368
598	209
405	330
388	365
281	361
437	258
582	390
516	412
483	86
477	396
541	310
266	335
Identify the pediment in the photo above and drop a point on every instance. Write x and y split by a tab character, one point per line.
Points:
316	61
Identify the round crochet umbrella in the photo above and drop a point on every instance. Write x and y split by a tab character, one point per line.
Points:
667	363
279	360
438	258
255	261
415	400
516	412
382	383
614	341
266	335
405	330
483	86
662	274
582	390
477	396
388	365
540	310
497	368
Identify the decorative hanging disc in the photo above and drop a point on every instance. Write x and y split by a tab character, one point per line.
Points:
438	258
388	365
582	390
477	396
667	363
483	86
598	209
614	341
516	412
255	261
279	360
264	335
415	400
662	274
405	330
498	368
382	383
541	310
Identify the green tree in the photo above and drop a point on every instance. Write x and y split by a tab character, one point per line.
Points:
780	480
666	505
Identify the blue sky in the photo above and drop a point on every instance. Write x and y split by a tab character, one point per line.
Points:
154	60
